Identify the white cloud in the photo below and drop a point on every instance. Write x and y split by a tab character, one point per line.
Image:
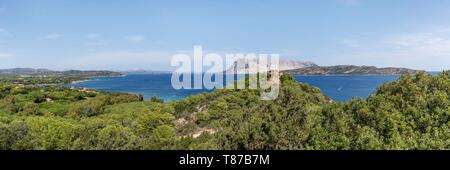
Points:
53	36
5	33
431	43
5	55
135	38
4	36
92	36
97	43
349	42
427	50
95	39
119	60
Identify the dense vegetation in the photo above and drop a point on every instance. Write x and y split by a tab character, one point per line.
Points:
51	73
39	80
410	113
39	77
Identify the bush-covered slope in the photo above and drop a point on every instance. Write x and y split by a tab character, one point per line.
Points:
411	113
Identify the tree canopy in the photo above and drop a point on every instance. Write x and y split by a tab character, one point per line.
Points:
410	113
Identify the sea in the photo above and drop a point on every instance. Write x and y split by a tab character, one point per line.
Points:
338	88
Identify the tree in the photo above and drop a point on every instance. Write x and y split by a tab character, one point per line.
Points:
31	109
115	137
163	137
13	135
9	104
4	90
155	99
37	96
91	107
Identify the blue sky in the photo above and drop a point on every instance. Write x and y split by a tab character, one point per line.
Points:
124	34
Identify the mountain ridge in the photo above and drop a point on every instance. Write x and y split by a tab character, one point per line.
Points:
47	72
351	70
241	66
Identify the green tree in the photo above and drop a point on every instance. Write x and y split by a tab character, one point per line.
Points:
9	104
30	108
116	137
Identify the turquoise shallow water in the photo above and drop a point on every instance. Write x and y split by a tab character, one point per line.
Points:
340	88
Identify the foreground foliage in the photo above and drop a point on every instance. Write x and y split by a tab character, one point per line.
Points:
410	113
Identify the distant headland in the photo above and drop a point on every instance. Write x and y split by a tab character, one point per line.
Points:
351	70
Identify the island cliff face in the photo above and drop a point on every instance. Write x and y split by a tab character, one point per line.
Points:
240	66
309	68
350	70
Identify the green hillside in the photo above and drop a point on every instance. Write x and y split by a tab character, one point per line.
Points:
410	113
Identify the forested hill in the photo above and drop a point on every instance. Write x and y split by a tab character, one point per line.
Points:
410	113
351	70
47	72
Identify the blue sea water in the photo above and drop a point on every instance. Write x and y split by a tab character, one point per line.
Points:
146	84
344	88
339	88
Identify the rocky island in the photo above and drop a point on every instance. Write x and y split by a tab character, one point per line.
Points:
242	65
351	70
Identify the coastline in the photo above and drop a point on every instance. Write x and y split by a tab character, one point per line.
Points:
347	75
90	79
78	81
148	86
362	75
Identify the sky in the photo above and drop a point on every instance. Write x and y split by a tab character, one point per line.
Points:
145	34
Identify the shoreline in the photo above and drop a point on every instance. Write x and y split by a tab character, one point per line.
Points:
346	75
166	99
79	81
91	78
359	75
